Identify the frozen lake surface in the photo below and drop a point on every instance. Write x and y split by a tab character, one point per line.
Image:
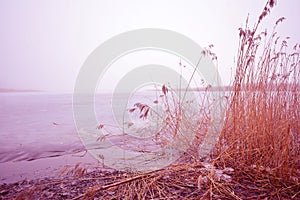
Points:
39	136
37	132
36	126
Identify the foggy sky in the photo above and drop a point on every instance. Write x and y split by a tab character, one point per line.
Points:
43	43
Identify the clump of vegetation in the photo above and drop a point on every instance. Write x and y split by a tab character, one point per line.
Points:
260	139
262	126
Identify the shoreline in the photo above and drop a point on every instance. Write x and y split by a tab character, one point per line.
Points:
197	180
50	167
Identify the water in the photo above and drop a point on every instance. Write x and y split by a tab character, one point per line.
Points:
38	135
35	127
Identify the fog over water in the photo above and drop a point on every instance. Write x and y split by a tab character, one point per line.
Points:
45	43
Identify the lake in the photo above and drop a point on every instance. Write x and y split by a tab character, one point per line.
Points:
35	129
39	135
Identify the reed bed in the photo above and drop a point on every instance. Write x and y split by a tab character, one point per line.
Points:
262	125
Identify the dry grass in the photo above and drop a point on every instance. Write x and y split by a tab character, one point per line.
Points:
262	126
198	180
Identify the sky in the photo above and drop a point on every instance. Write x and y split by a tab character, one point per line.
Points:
45	43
